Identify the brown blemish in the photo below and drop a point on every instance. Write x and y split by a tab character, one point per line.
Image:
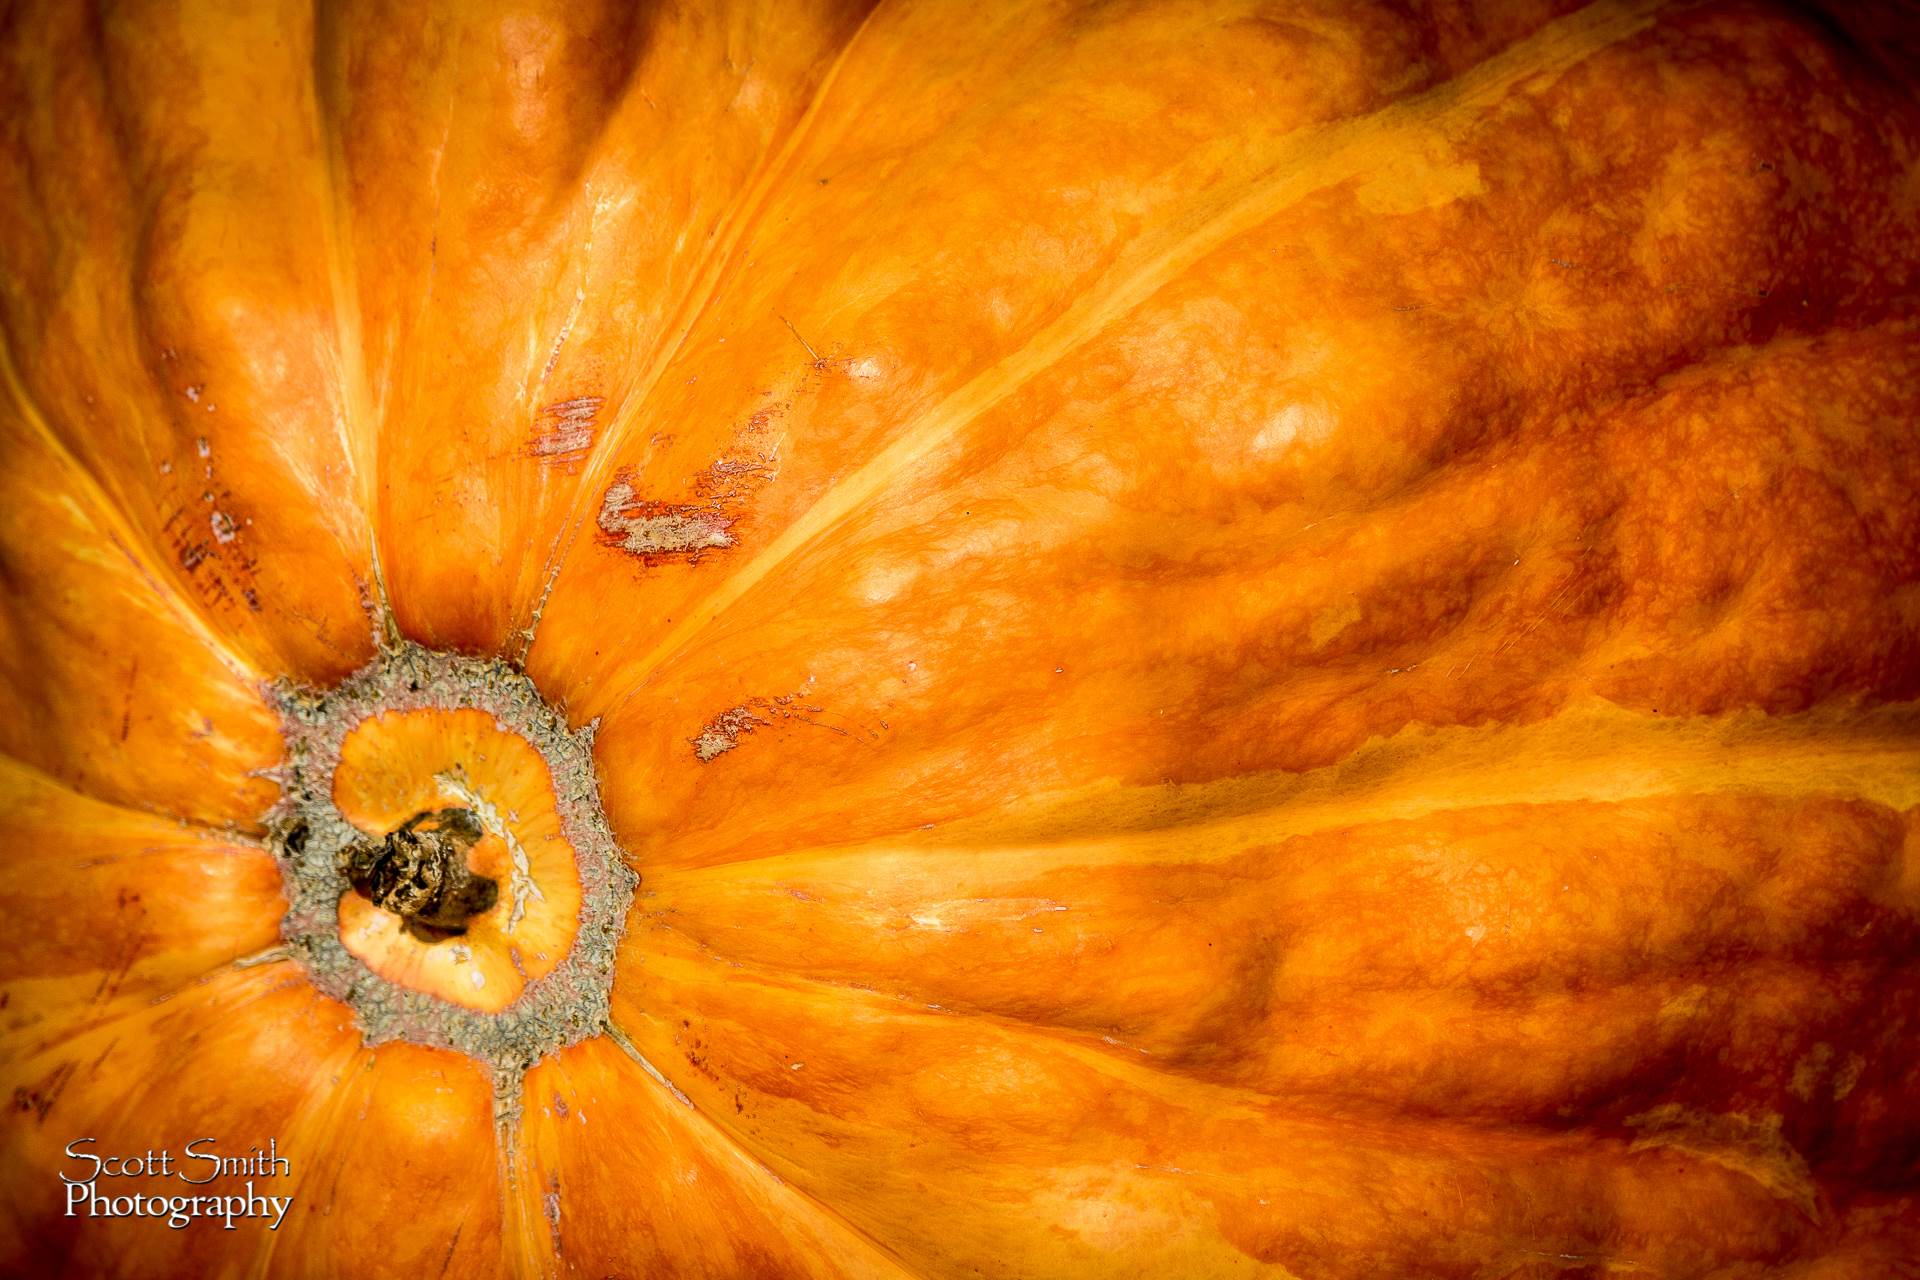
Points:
206	541
651	529
658	528
563	431
722	733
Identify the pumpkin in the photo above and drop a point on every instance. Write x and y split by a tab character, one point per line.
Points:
1262	637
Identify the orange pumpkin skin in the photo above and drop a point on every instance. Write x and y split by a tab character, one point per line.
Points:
1230	639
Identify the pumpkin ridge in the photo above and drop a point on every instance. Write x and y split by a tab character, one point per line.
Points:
131	949
359	441
1416	772
108	516
84	1028
529	1227
205	826
1209	1057
566	1079
694	1115
1334	152
798	1128
1205	1057
157	354
739	221
86	688
315	1123
234	984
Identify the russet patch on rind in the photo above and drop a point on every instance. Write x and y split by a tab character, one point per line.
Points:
659	529
557	1009
653	529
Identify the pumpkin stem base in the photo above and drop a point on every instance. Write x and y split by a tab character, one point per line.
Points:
449	871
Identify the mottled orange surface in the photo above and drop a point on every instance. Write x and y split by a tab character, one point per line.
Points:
1233	639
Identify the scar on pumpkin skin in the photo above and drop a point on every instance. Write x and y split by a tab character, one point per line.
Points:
657	529
722	733
564	431
650	528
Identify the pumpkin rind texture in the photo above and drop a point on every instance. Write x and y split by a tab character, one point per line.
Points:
1231	639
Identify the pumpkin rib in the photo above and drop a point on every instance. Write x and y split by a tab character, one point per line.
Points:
1329	154
912	1126
136	749
1207	1056
1640	390
738	220
131	1086
498	211
141	910
359	438
666	1139
529	1243
132	1011
120	530
1729	255
1599	752
1296	979
192	316
313	1128
1598	651
415	1115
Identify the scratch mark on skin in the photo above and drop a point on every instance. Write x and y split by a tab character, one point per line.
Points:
811	353
563	431
649	528
40	1101
724	731
579	292
619	1037
551	1203
126	705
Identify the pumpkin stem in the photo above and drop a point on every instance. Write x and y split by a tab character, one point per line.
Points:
419	872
